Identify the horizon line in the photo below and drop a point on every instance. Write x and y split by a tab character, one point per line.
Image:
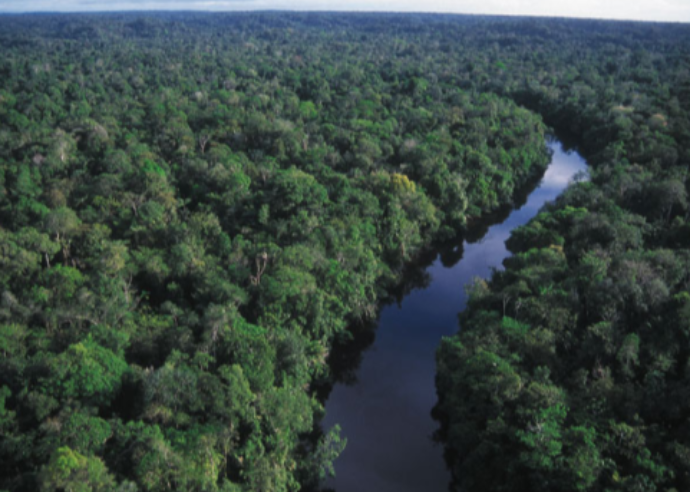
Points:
335	11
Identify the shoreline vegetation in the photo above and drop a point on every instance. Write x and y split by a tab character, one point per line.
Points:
193	210
570	371
195	206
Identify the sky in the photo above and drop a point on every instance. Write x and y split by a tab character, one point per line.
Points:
647	10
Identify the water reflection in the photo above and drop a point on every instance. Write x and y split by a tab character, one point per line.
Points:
387	391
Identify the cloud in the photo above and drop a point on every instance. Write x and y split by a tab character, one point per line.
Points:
14	6
189	4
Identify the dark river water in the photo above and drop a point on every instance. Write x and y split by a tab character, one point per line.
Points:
384	400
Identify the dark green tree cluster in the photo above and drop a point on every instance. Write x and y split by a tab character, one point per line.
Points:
192	208
571	371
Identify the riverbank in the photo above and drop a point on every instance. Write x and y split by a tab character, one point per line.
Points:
384	406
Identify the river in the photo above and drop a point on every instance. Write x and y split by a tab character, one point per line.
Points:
384	402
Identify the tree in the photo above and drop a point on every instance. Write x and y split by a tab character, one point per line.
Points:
63	223
73	472
87	372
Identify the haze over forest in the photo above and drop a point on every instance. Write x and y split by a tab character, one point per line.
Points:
641	10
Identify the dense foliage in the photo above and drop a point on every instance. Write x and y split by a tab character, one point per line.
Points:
194	207
572	368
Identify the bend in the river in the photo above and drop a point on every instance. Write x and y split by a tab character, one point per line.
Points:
384	406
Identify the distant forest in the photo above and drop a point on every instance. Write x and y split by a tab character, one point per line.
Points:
195	207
